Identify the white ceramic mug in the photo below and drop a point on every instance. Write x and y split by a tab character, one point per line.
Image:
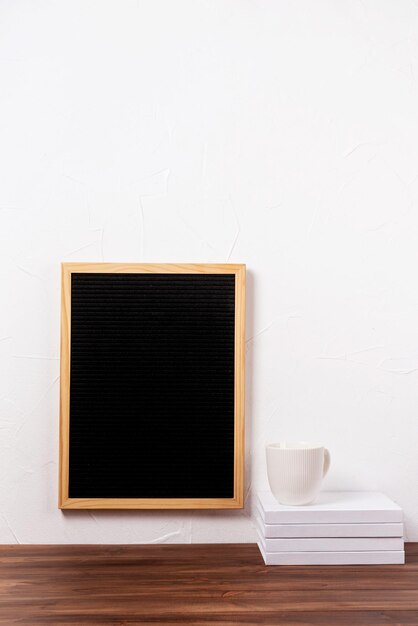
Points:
295	471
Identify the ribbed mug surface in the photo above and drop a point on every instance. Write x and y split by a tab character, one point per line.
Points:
295	471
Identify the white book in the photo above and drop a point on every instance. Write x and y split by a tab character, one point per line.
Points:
382	557
339	544
332	507
384	529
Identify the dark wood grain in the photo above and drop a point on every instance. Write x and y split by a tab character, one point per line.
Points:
197	584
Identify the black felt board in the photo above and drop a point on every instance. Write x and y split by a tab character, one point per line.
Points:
152	386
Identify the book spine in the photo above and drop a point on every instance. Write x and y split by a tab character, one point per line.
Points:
334	558
355	544
332	517
386	529
333	530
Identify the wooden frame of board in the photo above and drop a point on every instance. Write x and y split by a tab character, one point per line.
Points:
237	502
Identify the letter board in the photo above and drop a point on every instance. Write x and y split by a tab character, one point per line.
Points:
152	386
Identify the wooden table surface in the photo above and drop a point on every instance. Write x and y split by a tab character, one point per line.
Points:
197	584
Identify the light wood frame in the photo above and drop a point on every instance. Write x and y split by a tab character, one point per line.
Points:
237	502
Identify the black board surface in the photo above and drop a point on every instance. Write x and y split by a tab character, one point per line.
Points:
151	385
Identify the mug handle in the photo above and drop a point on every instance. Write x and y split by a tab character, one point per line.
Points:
327	462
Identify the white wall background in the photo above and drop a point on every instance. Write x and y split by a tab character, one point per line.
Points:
282	134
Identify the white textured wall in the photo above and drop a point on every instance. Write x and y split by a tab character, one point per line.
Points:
283	134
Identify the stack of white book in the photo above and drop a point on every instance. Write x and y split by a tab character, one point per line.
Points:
339	528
